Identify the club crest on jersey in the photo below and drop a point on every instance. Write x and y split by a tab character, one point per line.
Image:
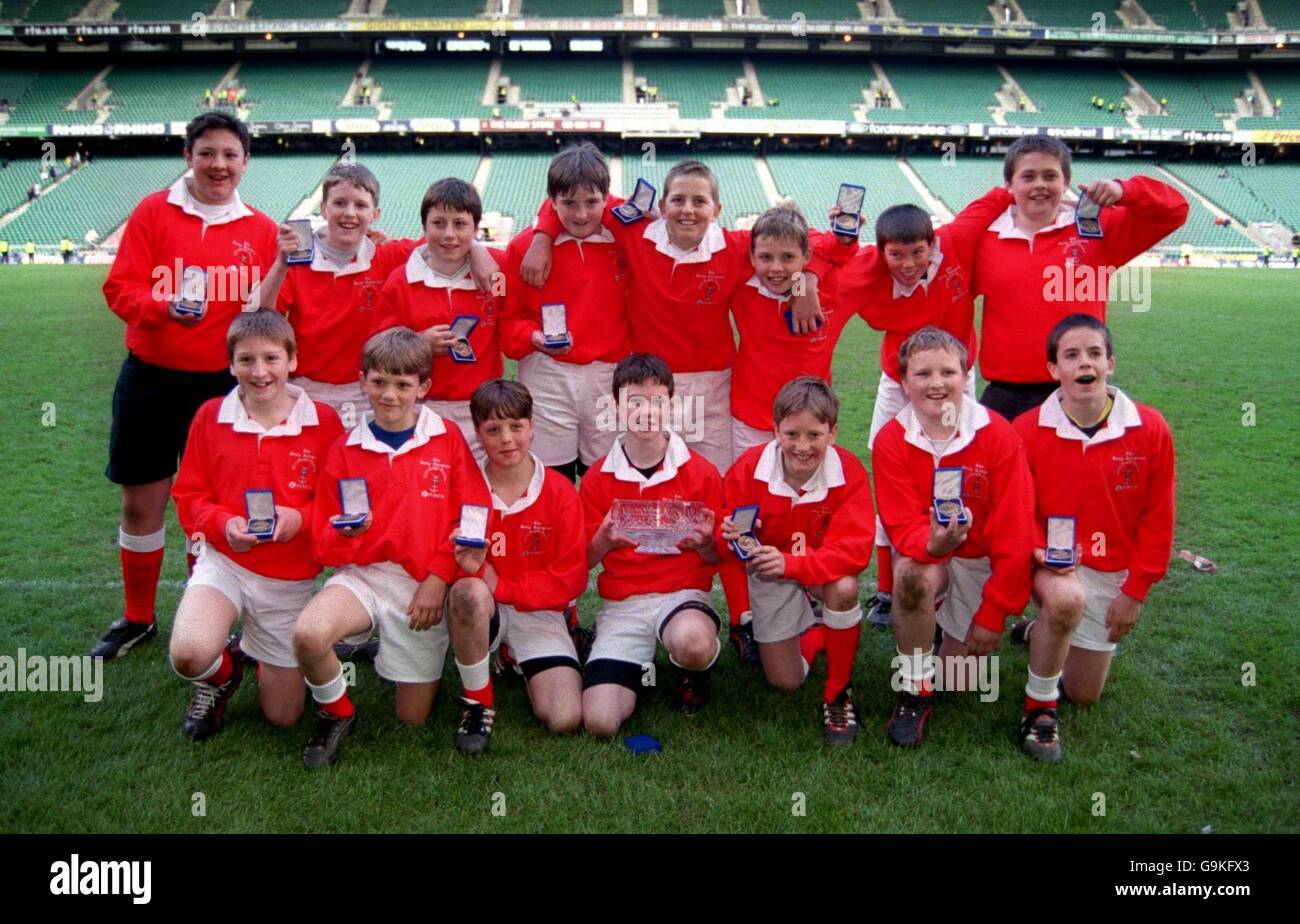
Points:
433	479
487	305
534	537
245	255
1074	251
956	282
976	481
369	289
821	521
303	463
1128	471
709	287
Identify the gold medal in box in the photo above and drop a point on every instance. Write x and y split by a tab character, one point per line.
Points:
354	502
555	326
260	507
1060	542
948	504
461	328
849	201
746	544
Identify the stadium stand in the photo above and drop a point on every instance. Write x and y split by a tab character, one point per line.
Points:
808	88
1281	14
97	197
403	179
1070	15
554	79
1177	15
295	9
47	10
940	91
1063	92
449	86
308	90
39	97
738	184
694	82
15	179
1283	85
578	9
140	96
944	11
813	180
158	10
1195	100
1260	193
434	7
516	185
277	183
838	10
693	9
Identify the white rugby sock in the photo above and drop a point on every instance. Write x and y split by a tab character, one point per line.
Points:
1042	688
329	692
473	676
917	670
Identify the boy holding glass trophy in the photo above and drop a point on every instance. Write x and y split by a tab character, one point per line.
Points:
648	598
246	487
1103	468
956	500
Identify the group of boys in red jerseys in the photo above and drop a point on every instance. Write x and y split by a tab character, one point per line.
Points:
447	506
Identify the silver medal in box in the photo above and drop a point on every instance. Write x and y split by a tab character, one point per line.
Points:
849	201
635	208
354	501
260	507
1060	542
192	300
473	526
948	504
461	328
555	325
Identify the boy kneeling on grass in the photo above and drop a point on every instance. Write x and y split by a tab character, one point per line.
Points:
815	523
957	503
1104	463
397	570
254	455
535	560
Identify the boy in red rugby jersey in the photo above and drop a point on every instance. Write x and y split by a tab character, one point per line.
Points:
1035	244
967	544
682	269
397	569
588	282
811	540
434	290
265	436
1106	463
536	554
646	598
188	259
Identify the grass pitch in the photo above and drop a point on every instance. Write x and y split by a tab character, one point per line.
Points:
1177	743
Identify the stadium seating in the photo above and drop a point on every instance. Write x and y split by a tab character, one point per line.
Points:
39	97
838	10
159	10
97	197
277	183
808	88
940	91
813	180
516	185
450	86
693	9
140	96
1281	14
1283	85
738	183
1070	15
694	82
1063	92
415	8
578	9
958	181
45	10
553	79
295	9
1180	15
403	179
944	11
15	180
307	90
1260	193
1194	99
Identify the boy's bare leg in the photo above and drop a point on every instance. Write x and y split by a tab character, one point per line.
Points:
1061	600
469	617
605	707
556	697
144	507
783	664
691	638
201	629
1085	674
280	691
414	701
916	585
332	615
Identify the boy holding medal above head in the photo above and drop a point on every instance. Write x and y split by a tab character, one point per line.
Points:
956	499
1103	468
682	269
189	256
1039	257
254	455
568	334
393	491
806	533
434	294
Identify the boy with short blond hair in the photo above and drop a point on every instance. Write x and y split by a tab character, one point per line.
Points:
266	437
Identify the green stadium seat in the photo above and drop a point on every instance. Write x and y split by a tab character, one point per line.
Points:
1063	92
40	97
1070	16
307	90
554	78
577	9
1181	16
944	11
449	86
15	180
140	96
434	8
1196	98
160	10
813	180
516	185
1264	192
277	183
738	184
694	82
1281	14
47	10
295	9
838	10
403	179
940	91
692	9
808	88
1280	84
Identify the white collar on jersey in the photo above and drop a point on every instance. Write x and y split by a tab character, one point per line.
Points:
601	235
972	418
714	241
1123	414
617	464
360	263
1005	224
530	496
179	194
770	469
427	426
765	291
418	270
302	414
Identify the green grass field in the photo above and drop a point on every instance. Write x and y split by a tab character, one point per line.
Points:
1177	743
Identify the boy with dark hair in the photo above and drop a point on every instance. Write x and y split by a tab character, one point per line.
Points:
568	375
397	570
975	559
1038	240
649	598
1106	464
265	437
811	540
188	258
